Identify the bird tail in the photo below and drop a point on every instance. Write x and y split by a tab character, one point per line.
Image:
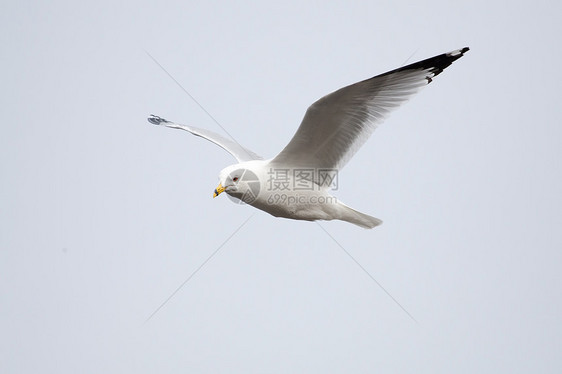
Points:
357	218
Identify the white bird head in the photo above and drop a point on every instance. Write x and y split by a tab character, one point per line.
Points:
240	181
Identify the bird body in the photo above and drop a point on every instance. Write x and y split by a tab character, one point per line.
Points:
287	192
296	183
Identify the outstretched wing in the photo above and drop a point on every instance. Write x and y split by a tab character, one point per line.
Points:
240	153
338	124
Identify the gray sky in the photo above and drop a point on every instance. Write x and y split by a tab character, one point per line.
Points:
103	215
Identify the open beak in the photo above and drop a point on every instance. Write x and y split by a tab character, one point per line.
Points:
218	190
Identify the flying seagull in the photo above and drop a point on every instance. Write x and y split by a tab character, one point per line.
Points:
296	183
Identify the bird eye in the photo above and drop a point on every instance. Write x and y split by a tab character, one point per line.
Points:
235	179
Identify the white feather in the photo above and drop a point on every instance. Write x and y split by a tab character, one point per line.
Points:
336	126
240	153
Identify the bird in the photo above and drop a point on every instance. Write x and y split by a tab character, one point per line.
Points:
297	182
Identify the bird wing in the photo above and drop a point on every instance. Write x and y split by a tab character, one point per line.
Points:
240	153
337	125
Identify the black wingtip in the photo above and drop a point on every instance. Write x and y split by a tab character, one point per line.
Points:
434	65
438	63
457	53
155	120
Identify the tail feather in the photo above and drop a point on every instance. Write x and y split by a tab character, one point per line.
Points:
357	218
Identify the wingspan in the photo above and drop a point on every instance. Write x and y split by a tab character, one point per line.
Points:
240	153
338	124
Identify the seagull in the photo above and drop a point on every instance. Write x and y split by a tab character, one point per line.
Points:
296	183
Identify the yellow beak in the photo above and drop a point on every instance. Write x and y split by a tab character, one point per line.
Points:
218	190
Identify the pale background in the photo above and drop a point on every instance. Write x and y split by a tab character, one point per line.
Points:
103	215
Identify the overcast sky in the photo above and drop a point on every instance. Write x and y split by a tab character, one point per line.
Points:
103	215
